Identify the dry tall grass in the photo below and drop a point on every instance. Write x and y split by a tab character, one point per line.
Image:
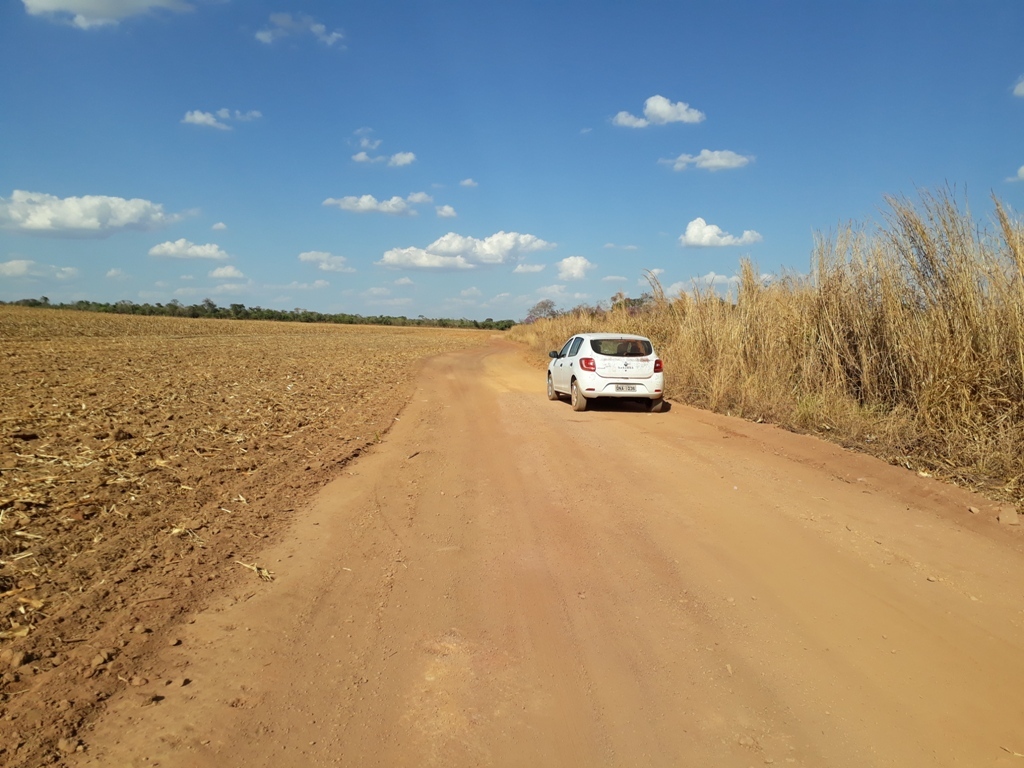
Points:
906	340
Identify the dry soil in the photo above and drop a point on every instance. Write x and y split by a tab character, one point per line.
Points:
504	582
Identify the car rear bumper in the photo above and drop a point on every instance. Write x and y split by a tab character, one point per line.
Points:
648	389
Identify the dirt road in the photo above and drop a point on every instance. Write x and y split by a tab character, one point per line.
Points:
504	582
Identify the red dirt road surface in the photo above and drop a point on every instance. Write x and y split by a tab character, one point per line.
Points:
504	582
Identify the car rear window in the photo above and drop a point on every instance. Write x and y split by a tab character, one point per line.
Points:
621	347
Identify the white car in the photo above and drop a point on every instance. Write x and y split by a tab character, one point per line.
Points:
593	365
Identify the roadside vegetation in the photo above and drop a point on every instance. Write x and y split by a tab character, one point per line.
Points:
905	340
207	308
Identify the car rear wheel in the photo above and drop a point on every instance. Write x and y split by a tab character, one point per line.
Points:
579	402
655	406
552	395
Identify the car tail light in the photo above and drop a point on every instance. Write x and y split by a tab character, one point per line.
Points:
658	367
588	364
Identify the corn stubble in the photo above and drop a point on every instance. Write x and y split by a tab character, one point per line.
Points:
905	340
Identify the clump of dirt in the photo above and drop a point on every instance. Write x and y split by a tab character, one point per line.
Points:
143	461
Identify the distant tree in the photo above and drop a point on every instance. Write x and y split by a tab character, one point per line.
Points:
542	310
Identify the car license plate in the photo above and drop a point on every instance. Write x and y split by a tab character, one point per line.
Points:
625	387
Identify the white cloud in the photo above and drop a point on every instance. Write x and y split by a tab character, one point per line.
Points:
86	14
86	216
185	249
219	226
401	158
396	206
404	281
328	262
622	247
232	288
1018	89
196	117
709	160
297	286
526	269
574	268
710	280
614	279
468	183
376	292
30	269
214	119
16	268
453	251
700	234
1019	176
471	293
446	212
367	143
559	292
660	111
227	272
396	160
116	274
286	25
186	277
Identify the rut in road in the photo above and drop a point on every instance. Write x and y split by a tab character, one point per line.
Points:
506	582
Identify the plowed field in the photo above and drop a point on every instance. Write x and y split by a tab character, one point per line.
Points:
143	463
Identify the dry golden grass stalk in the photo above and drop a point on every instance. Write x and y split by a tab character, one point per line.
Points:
905	339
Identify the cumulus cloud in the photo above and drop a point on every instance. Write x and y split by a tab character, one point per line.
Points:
401	158
220	118
196	117
420	197
404	281
710	280
660	111
709	160
116	274
559	292
288	25
468	183
16	268
87	14
471	293
527	269
453	251
228	272
87	216
232	288
368	203
326	261
185	249
1019	176
446	212
1018	89
30	269
574	268
700	234
219	226
614	279
396	160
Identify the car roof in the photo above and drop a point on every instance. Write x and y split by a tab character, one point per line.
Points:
628	336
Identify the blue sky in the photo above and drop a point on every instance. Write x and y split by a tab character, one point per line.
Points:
468	159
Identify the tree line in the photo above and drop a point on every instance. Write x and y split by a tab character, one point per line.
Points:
208	308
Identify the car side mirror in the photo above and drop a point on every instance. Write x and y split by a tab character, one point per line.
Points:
553	355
